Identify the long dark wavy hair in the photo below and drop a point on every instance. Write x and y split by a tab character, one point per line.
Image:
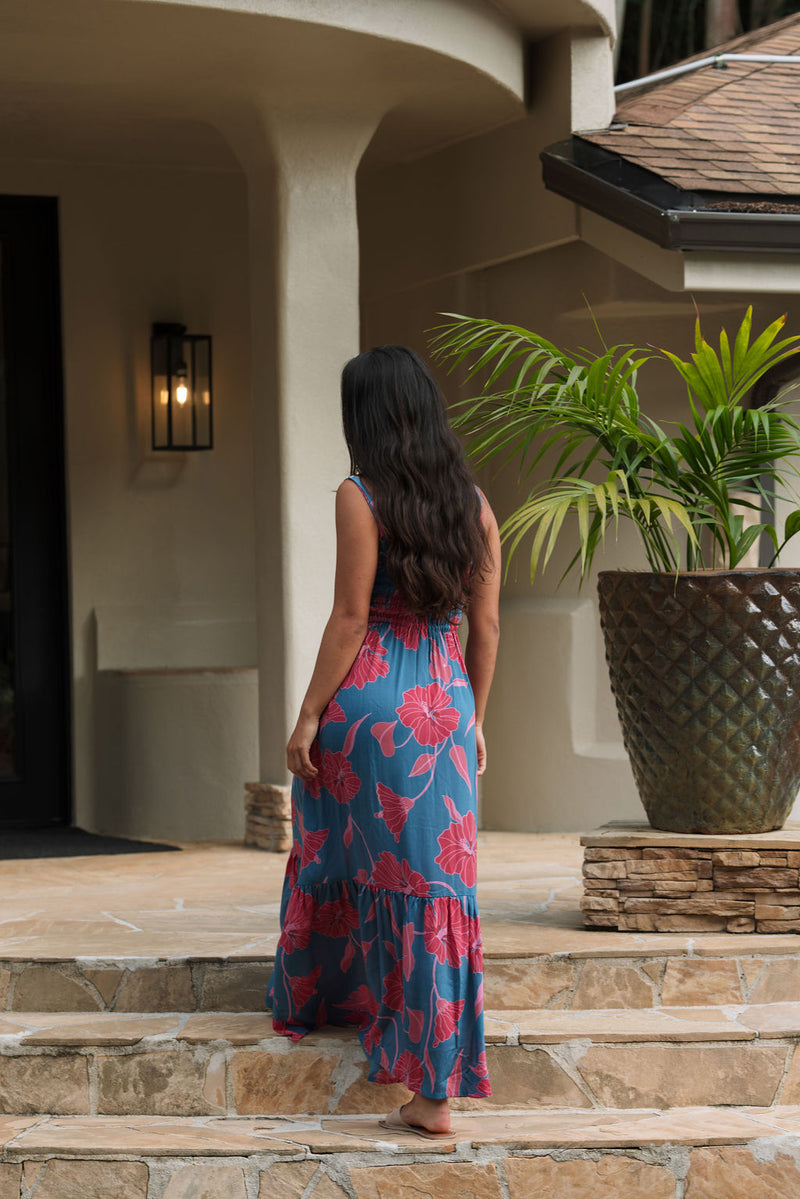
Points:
395	425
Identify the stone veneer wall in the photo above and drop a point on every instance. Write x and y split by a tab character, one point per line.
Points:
765	1167
635	978
638	879
268	822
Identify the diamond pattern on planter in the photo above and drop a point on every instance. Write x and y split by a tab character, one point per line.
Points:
705	670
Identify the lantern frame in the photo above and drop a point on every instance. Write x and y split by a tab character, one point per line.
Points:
177	359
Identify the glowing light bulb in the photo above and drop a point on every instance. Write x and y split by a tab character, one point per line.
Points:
182	393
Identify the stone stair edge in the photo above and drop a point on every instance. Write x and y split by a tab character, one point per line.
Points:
516	1128
513	1155
673	1023
636	833
609	944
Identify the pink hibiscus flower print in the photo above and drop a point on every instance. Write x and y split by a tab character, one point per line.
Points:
447	931
404	626
293	865
454	1081
297	923
440	668
310	843
475	947
312	785
361	1002
372	1035
333	714
448	1014
416	1024
304	988
407	1069
394	810
389	874
383	731
282	1027
453	645
335	918
393	988
458	848
370	662
409	932
338	777
481	1072
407	631
428	711
459	760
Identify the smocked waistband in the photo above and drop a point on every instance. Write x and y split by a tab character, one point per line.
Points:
397	614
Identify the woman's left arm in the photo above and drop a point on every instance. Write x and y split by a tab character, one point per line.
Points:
356	563
484	627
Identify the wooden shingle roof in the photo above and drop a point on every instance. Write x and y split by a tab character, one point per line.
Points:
732	129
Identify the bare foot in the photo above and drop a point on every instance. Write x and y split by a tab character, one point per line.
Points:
433	1114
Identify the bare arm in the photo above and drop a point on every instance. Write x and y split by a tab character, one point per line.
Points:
356	562
484	629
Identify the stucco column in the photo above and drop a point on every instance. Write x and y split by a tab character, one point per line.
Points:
304	240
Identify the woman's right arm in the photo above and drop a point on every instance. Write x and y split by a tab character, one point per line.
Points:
480	654
356	562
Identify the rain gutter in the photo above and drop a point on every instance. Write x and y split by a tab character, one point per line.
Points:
648	205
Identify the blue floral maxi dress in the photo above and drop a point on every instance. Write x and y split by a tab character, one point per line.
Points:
379	919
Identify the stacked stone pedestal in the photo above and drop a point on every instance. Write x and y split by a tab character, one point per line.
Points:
639	879
268	823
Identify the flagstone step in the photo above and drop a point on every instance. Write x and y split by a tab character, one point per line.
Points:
233	1064
622	971
686	1153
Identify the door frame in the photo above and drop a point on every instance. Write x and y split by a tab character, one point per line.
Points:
41	794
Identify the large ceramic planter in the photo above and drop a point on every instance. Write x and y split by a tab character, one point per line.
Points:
705	669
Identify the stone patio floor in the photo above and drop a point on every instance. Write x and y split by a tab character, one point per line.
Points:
216	907
222	899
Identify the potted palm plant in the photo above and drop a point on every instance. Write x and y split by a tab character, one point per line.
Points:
703	654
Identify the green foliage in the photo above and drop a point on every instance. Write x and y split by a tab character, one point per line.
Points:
685	492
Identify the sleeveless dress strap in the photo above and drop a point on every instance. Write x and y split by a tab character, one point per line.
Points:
355	479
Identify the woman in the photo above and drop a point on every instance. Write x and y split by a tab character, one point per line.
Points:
379	921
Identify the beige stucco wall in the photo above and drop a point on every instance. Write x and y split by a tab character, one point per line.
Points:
185	562
475	232
471	229
155	539
474	32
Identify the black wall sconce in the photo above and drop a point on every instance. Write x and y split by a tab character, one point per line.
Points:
181	402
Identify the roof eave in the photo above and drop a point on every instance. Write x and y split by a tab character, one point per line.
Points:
651	207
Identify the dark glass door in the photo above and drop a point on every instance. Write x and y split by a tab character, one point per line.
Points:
34	708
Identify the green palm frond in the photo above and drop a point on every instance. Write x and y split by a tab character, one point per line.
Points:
581	410
594	505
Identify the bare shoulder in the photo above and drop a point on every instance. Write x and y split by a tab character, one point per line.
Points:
352	508
487	515
349	496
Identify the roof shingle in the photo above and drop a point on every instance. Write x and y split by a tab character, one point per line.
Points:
732	129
